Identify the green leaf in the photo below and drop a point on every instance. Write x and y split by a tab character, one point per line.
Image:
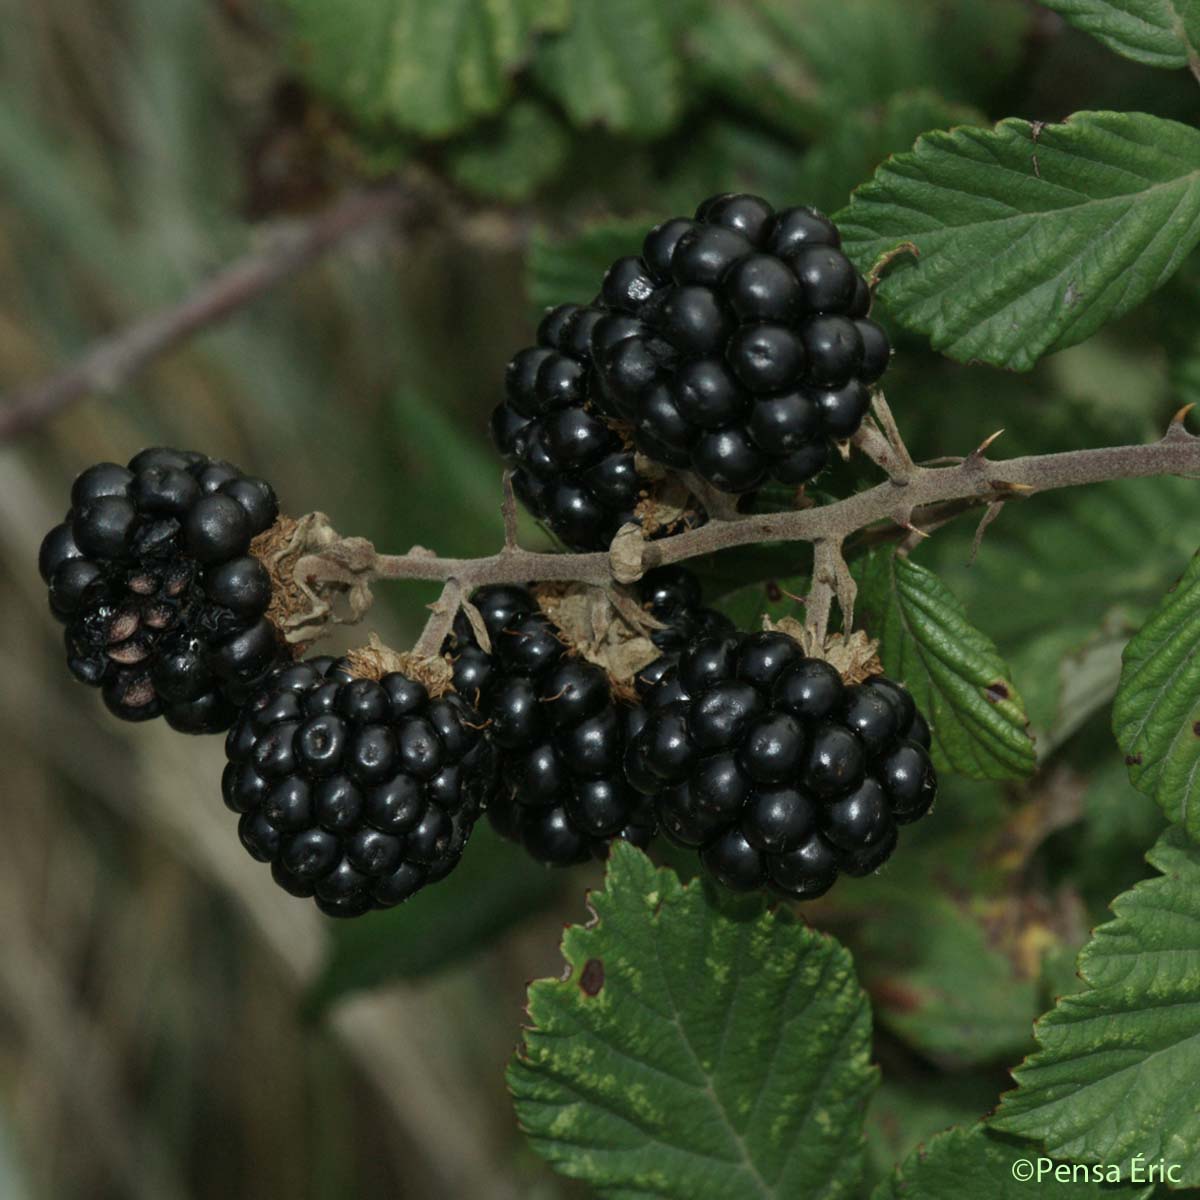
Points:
1156	715
989	1165
1159	33
430	68
1029	238
696	1048
954	671
615	66
492	889
1116	1073
510	161
569	270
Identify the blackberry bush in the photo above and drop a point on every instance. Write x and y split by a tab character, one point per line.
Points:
700	1042
163	603
558	722
737	344
764	761
573	464
359	792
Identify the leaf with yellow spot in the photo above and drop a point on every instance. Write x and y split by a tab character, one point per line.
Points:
700	1047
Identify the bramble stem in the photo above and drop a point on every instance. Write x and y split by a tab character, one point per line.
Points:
922	499
109	363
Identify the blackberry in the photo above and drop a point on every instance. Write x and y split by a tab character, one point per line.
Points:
737	344
573	464
774	770
559	726
358	792
164	603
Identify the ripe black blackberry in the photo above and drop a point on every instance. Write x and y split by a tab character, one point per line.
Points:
572	468
358	792
560	729
777	772
737	344
164	605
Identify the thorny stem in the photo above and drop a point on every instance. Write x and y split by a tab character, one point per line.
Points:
927	498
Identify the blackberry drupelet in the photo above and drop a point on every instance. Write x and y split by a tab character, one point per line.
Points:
163	602
358	792
737	344
572	468
560	729
774	770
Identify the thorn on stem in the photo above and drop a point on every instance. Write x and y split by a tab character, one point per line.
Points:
1178	425
976	456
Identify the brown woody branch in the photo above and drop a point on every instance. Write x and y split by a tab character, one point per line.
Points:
921	498
111	362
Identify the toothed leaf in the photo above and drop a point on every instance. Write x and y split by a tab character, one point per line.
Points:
1116	1073
1159	33
697	1048
1156	714
1029	238
954	671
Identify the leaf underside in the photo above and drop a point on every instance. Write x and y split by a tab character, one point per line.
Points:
954	671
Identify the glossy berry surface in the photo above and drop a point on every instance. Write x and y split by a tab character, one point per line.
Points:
572	469
164	604
561	732
743	350
358	792
775	771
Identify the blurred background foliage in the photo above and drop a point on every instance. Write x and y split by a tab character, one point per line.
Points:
170	1023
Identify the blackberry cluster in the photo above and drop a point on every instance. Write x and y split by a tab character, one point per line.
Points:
164	606
776	771
555	429
560	730
358	792
737	343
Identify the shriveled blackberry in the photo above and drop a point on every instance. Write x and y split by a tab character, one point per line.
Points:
774	770
573	466
737	344
358	792
163	602
560	729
